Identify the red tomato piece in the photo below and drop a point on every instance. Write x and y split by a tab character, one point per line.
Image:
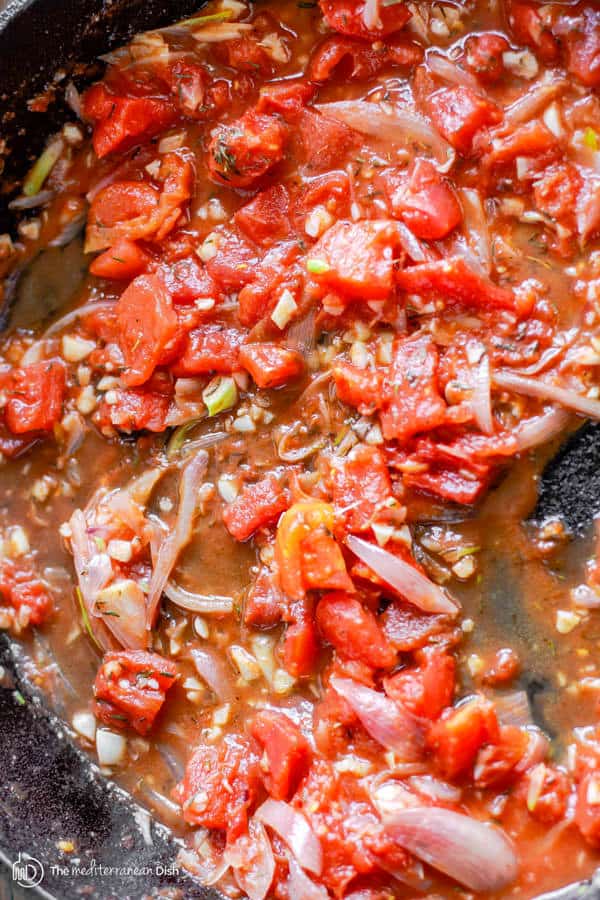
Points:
361	487
209	348
495	764
122	122
35	397
483	55
266	219
264	605
532	139
256	506
409	629
582	47
347	57
360	388
557	191
425	201
459	113
504	667
286	98
356	259
189	84
21	589
220	785
124	260
272	276
458	735
453	484
131	688
529	27
301	642
234	263
547	790
144	409
187	281
354	631
427	688
453	281
322	142
271	365
239	154
413	402
323	566
147	325
286	751
346	16
587	810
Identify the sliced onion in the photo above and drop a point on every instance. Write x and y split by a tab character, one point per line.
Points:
301	887
541	429
93	571
208	872
585	597
23	202
531	387
481	398
211	666
124	613
221	31
513	709
537	750
476	228
415	587
203	604
370	15
479	856
73	99
171	546
449	71
439	791
387	722
389	122
535	100
252	861
293	828
411	244
76	314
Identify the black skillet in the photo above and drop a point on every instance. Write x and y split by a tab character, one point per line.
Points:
49	791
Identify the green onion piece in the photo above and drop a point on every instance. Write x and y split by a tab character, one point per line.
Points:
198	21
177	439
41	169
19	698
590	138
221	393
317	266
85	618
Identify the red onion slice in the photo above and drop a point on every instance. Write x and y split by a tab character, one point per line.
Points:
370	15
513	709
203	604
252	861
293	828
449	71
478	856
415	587
386	721
540	429
531	387
211	666
301	887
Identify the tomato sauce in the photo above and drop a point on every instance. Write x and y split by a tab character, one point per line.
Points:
267	472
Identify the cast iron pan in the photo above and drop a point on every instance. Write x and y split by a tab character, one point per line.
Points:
49	790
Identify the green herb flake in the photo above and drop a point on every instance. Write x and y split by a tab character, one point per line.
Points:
317	266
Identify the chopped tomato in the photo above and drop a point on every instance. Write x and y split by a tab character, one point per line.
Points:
204	801
354	631
452	281
124	260
131	688
532	139
275	273
587	809
147	325
483	55
582	47
495	764
287	753
557	191
459	113
529	27
35	397
361	487
503	668
356	259
257	505
320	141
187	281
351	58
190	86
408	629
144	408
296	524
286	97
209	348
456	738
424	201
266	219
123	122
427	688
346	16
547	789
264	605
323	566
25	593
271	365
301	642
234	263
412	399
360	388
241	153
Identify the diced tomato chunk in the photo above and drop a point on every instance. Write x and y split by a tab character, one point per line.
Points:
266	218
582	46
323	566
141	409
409	629
356	259
458	735
234	263
533	139
351	58
239	154
427	688
361	487
220	785
257	505
25	593
276	272
286	97
557	191
131	688
187	281
209	348
360	388
424	201
587	810
547	789
321	142
271	365
528	26
286	751
264	605
301	642
35	397
124	260
354	631
483	55
459	113
122	122
454	282
346	16
147	325
413	402
495	764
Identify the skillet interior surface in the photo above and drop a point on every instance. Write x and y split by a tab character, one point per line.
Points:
50	790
